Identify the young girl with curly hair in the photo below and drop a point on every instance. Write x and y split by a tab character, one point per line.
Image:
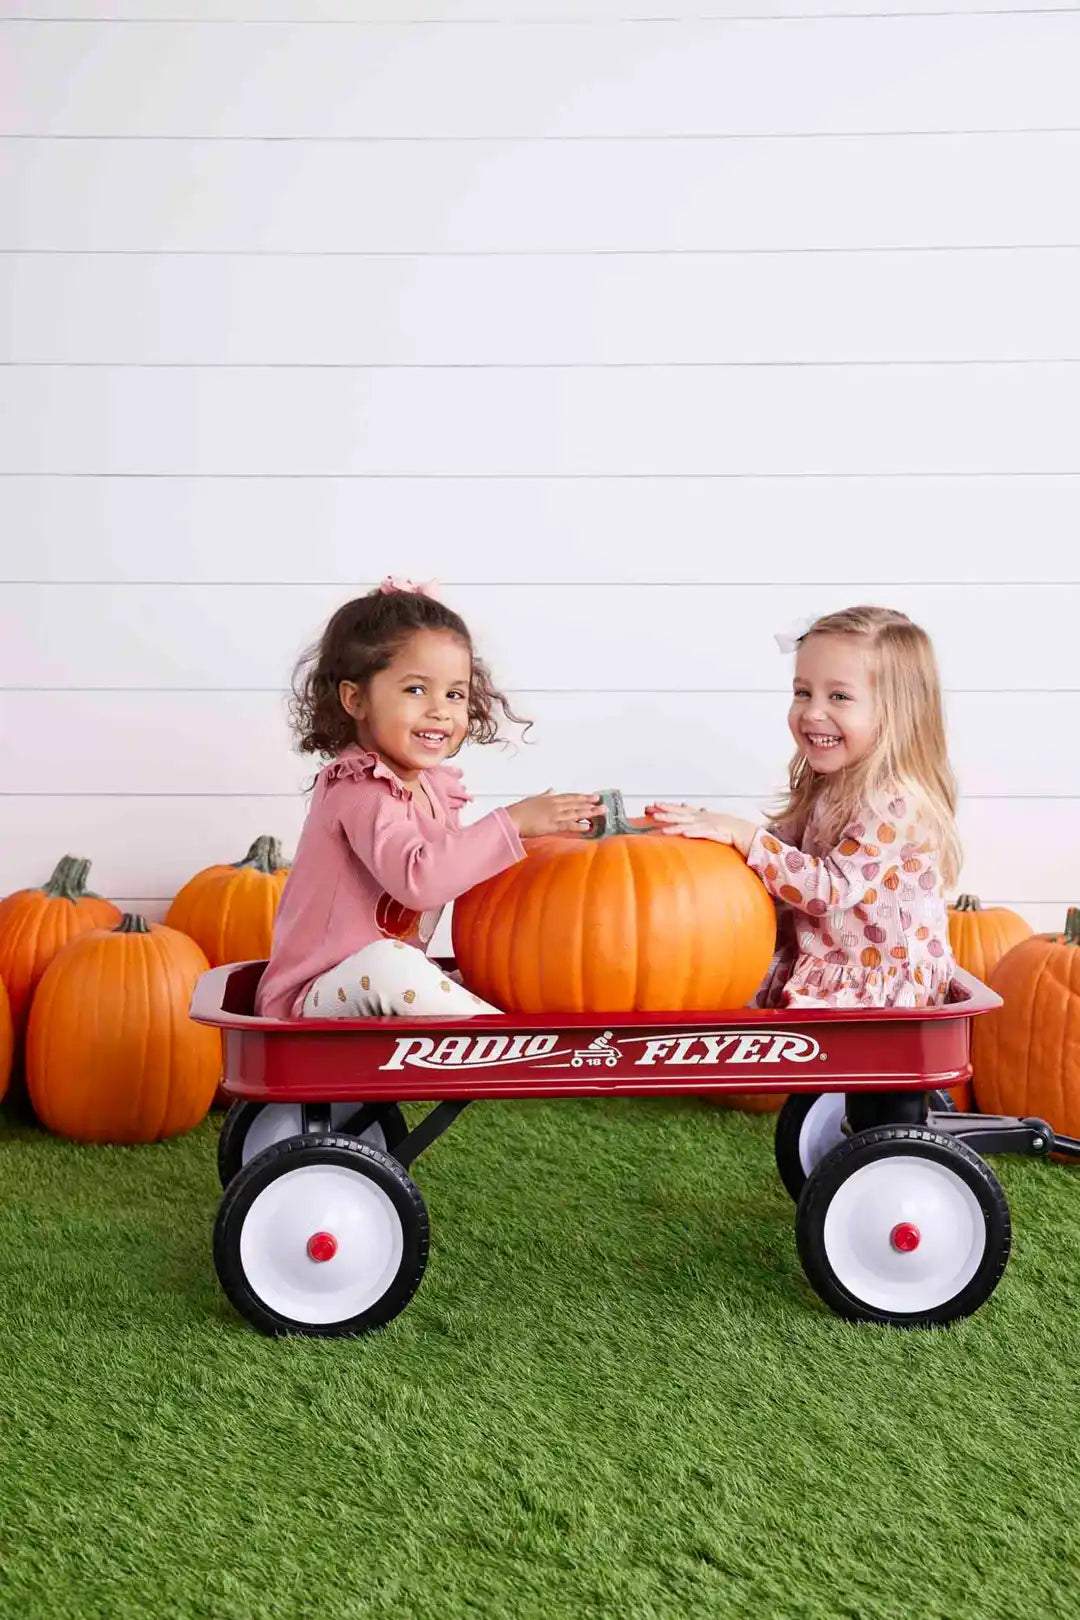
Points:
390	693
860	854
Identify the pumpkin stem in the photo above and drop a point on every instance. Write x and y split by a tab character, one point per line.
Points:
1072	926
132	923
616	824
967	902
68	881
264	855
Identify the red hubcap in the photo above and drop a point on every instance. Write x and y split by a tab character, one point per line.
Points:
905	1237
322	1246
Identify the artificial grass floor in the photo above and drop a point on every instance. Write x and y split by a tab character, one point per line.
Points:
614	1396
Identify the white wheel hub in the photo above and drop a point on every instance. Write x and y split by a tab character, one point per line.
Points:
276	1121
821	1130
321	1243
904	1234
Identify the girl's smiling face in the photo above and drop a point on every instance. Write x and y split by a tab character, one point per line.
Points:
833	715
415	712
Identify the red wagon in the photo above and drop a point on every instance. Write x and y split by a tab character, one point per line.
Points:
322	1229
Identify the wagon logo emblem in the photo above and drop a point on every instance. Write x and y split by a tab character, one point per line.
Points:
596	1053
719	1048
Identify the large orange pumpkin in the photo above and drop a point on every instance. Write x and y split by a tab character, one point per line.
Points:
1026	1055
37	923
615	921
111	1054
229	910
7	1040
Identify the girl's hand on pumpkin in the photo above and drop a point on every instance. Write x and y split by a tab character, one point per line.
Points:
554	813
674	812
684	822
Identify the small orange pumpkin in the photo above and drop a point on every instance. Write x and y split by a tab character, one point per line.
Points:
37	923
980	936
111	1054
229	910
1026	1054
7	1040
615	921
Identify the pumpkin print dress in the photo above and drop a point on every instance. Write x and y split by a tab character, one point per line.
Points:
862	923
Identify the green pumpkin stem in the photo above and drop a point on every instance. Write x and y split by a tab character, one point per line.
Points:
264	855
616	824
967	902
68	881
1072	926
132	923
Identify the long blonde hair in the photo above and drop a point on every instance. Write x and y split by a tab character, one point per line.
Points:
909	753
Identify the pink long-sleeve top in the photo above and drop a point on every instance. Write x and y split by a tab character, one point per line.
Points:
373	864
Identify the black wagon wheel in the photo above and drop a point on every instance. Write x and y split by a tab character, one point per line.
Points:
905	1226
811	1123
251	1127
325	1237
808	1126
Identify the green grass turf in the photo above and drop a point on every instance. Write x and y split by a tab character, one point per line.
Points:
613	1396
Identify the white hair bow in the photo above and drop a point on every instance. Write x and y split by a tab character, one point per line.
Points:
788	640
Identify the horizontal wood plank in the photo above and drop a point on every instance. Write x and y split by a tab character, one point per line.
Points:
744	309
567	18
691	78
621	639
644	529
892	419
491	196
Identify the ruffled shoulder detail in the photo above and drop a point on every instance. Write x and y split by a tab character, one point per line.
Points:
353	764
451	785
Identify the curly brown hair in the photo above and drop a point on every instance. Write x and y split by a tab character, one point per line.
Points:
361	639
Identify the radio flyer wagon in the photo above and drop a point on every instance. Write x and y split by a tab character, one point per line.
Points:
322	1229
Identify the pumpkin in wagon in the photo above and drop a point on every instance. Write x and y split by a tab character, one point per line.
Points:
613	921
1027	1053
37	923
111	1054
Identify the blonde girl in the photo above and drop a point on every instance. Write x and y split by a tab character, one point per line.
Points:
864	846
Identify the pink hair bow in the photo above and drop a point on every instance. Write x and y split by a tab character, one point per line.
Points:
392	583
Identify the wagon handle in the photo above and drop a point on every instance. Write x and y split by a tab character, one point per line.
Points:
616	823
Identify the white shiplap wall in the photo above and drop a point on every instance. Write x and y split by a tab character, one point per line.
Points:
645	325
